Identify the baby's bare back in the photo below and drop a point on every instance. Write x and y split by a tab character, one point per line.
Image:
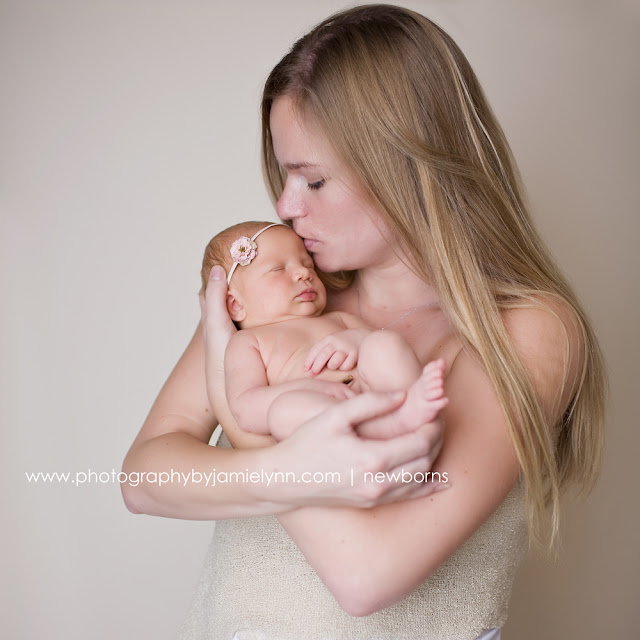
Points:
285	345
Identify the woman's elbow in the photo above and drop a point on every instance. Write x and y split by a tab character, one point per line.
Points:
130	498
360	594
357	606
137	497
131	487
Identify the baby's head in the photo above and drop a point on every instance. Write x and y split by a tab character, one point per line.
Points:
272	277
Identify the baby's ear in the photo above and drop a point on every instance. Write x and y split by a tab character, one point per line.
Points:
235	307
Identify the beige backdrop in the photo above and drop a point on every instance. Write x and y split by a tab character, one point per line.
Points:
128	136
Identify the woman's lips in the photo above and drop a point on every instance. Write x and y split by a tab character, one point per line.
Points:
307	295
309	243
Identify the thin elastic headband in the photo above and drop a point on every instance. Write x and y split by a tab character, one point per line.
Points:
245	249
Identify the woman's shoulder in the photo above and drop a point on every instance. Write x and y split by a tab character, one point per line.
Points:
546	333
543	323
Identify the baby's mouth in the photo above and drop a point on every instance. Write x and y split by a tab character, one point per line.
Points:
307	295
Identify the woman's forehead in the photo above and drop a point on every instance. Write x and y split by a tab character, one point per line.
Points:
297	143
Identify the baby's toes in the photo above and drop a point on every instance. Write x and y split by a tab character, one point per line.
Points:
434	390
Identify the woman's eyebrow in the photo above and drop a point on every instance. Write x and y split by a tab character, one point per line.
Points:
292	166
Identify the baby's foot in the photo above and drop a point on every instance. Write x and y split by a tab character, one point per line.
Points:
425	398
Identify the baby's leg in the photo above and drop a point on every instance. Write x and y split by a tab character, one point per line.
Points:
386	363
293	408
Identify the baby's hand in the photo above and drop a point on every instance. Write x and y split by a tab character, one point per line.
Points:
336	351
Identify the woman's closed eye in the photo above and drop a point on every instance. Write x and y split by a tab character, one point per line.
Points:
316	185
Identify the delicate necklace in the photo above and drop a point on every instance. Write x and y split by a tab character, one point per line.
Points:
430	305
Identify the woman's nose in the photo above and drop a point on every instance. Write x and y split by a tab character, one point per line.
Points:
288	206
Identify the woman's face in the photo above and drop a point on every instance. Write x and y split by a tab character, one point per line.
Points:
323	200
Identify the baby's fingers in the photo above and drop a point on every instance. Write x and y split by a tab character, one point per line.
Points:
349	362
321	359
336	360
313	354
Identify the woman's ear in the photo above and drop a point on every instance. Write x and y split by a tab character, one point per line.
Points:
235	307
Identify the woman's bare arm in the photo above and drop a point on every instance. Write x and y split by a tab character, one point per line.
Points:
370	559
174	438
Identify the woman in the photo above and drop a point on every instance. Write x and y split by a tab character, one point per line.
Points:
382	152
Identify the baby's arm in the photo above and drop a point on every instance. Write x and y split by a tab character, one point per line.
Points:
246	379
247	387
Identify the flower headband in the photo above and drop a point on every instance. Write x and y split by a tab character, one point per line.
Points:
245	249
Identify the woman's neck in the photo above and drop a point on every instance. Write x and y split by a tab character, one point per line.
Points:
381	295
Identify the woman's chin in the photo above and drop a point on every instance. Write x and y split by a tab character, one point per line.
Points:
330	264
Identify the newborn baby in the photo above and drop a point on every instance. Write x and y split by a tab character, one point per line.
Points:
290	361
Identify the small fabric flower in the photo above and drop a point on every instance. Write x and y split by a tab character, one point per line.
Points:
243	251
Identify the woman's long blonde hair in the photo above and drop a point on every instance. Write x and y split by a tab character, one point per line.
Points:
402	107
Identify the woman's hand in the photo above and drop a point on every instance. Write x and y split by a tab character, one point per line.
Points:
217	329
336	467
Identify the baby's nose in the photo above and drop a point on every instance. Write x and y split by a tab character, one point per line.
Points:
303	273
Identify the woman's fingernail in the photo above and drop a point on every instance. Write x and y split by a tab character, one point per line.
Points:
440	486
217	273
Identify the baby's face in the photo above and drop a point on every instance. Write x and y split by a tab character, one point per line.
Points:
280	283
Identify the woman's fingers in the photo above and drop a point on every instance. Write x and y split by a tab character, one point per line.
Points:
416	488
368	405
216	294
425	442
203	313
216	323
401	467
337	390
409	477
358	462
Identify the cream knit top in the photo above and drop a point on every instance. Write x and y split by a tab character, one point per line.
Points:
257	583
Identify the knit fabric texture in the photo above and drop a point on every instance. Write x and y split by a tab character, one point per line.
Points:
257	584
